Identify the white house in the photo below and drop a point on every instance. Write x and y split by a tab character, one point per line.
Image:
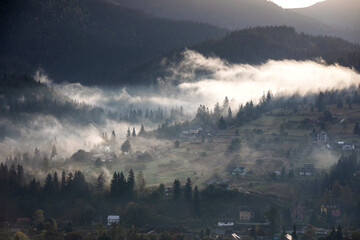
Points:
322	136
113	219
225	224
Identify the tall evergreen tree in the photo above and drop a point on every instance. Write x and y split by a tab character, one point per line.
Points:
122	184
294	234
56	182
177	190
100	182
49	185
114	185
63	180
197	210
134	132
188	190
131	182
142	131
222	124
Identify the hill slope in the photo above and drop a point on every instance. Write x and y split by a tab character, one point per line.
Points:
88	41
344	13
257	45
236	14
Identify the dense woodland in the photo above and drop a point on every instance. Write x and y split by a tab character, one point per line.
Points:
93	42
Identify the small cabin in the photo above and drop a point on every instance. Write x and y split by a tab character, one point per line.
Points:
245	214
113	219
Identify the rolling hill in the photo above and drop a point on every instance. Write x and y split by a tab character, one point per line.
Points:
239	14
343	13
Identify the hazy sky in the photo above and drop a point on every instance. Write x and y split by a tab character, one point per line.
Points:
295	3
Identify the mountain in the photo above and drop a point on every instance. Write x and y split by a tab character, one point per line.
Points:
87	41
344	13
258	45
236	14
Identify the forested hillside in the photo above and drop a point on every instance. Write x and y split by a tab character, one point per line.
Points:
88	41
257	45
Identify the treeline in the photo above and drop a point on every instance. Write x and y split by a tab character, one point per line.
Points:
153	115
69	195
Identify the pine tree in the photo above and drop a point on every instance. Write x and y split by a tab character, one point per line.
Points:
100	182
197	210
320	102
357	129
133	132
140	181
122	184
188	190
113	137
142	131
128	134
49	185
177	190
56	182
131	182
53	152
63	180
229	113
222	124
293	234
114	185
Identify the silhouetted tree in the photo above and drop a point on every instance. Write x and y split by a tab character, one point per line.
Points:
177	190
188	190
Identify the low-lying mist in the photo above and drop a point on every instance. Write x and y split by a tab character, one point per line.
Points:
193	81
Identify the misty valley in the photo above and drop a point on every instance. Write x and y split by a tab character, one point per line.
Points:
150	120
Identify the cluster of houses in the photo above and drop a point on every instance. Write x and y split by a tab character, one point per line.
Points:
344	146
332	209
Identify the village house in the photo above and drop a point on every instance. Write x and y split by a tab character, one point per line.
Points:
245	214
238	171
333	209
307	170
113	219
225	224
322	137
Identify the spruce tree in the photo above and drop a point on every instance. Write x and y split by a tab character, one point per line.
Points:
197	210
177	190
188	190
131	183
293	234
